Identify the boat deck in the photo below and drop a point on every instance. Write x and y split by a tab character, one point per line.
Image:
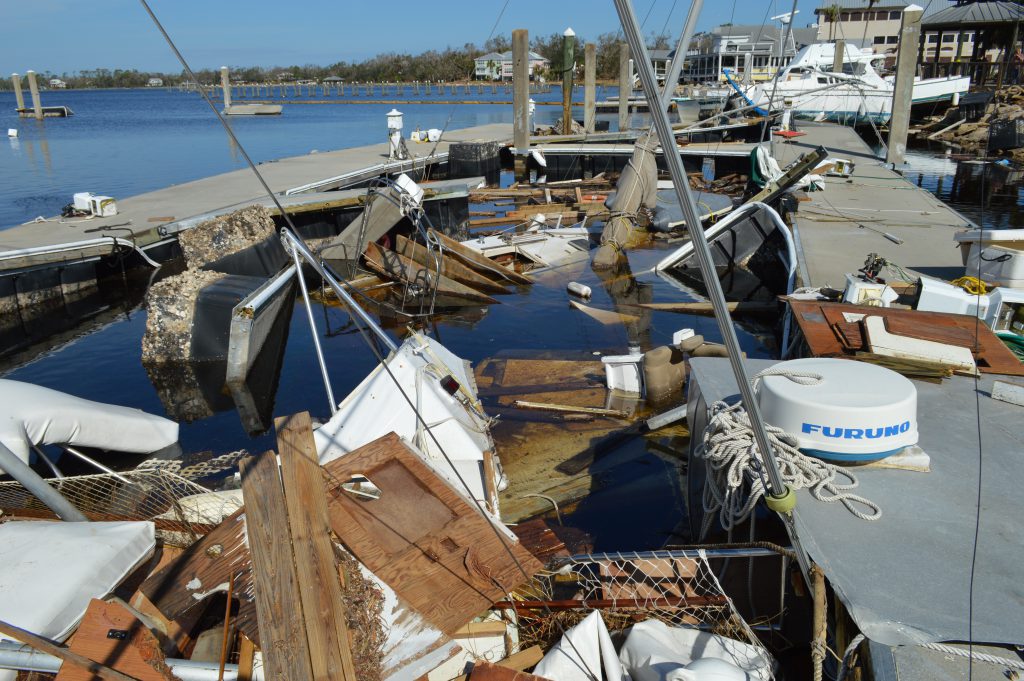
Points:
140	218
905	578
838	227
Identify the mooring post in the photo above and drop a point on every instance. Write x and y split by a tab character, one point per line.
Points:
19	98
521	98
225	85
33	87
903	91
625	86
589	87
568	62
839	56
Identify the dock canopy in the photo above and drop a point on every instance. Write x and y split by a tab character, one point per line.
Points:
972	38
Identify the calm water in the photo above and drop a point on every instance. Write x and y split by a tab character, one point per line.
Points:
126	142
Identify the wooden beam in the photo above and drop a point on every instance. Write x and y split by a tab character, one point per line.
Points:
278	602
316	569
45	645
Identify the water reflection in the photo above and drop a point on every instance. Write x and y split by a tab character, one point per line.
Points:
627	293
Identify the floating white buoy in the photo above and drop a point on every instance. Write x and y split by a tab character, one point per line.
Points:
12	132
578	289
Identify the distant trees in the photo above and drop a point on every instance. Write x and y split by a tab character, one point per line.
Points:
449	64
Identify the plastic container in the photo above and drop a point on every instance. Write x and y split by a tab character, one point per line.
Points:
578	289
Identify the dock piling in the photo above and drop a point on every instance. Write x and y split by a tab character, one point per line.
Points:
33	86
625	86
568	62
589	87
19	98
225	85
521	98
903	90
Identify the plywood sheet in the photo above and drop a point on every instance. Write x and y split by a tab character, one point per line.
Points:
421	537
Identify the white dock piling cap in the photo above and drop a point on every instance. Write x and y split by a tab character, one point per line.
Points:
569	32
394	119
12	132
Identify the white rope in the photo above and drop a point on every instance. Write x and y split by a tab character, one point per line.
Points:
735	480
974	655
850	649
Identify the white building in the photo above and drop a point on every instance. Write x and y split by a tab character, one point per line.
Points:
749	52
155	82
498	65
57	84
878	28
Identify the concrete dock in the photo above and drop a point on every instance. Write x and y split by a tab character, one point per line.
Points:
837	228
148	218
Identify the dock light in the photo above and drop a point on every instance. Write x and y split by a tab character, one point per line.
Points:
396	145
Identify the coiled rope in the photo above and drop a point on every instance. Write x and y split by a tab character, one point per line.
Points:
735	478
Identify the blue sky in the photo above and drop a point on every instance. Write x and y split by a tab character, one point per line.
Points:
68	35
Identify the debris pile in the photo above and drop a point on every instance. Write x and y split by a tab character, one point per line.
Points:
994	131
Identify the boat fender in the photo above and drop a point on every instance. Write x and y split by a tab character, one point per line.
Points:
578	289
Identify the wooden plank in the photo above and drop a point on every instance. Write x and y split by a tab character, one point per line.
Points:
133	649
486	671
486	628
480	262
395	266
524	659
423	538
596	411
45	645
246	658
740	307
450	267
278	602
316	569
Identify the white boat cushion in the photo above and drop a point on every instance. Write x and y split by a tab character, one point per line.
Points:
51	570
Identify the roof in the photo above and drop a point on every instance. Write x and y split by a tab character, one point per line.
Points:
507	56
490	56
930	8
767	32
660	54
977	13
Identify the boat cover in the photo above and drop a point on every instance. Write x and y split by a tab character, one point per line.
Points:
44	592
905	578
33	415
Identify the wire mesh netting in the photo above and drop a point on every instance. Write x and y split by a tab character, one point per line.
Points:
677	587
152	494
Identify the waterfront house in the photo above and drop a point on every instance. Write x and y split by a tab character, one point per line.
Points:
741	49
57	84
155	82
498	65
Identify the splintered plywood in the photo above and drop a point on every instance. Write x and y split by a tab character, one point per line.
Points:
111	635
570	382
421	537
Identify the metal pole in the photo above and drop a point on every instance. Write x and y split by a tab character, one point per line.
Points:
778	496
568	63
676	67
589	87
19	98
299	245
33	87
313	332
30	480
701	250
521	97
625	86
903	89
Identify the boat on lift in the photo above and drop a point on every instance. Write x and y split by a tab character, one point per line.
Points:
811	87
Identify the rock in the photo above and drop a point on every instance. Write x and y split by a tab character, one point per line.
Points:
225	235
170	307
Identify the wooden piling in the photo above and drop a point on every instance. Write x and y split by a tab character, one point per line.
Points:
589	87
625	86
839	55
225	85
33	86
903	90
521	97
19	98
568	61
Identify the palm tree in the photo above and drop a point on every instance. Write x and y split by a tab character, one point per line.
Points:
832	12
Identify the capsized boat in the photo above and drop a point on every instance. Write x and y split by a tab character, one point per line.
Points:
857	95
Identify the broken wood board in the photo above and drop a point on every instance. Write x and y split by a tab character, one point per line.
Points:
282	630
817	322
66	655
423	538
450	267
486	671
112	636
606	317
568	408
316	569
741	307
887	344
573	382
394	266
480	262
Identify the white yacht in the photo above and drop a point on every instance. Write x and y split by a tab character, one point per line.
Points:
856	95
